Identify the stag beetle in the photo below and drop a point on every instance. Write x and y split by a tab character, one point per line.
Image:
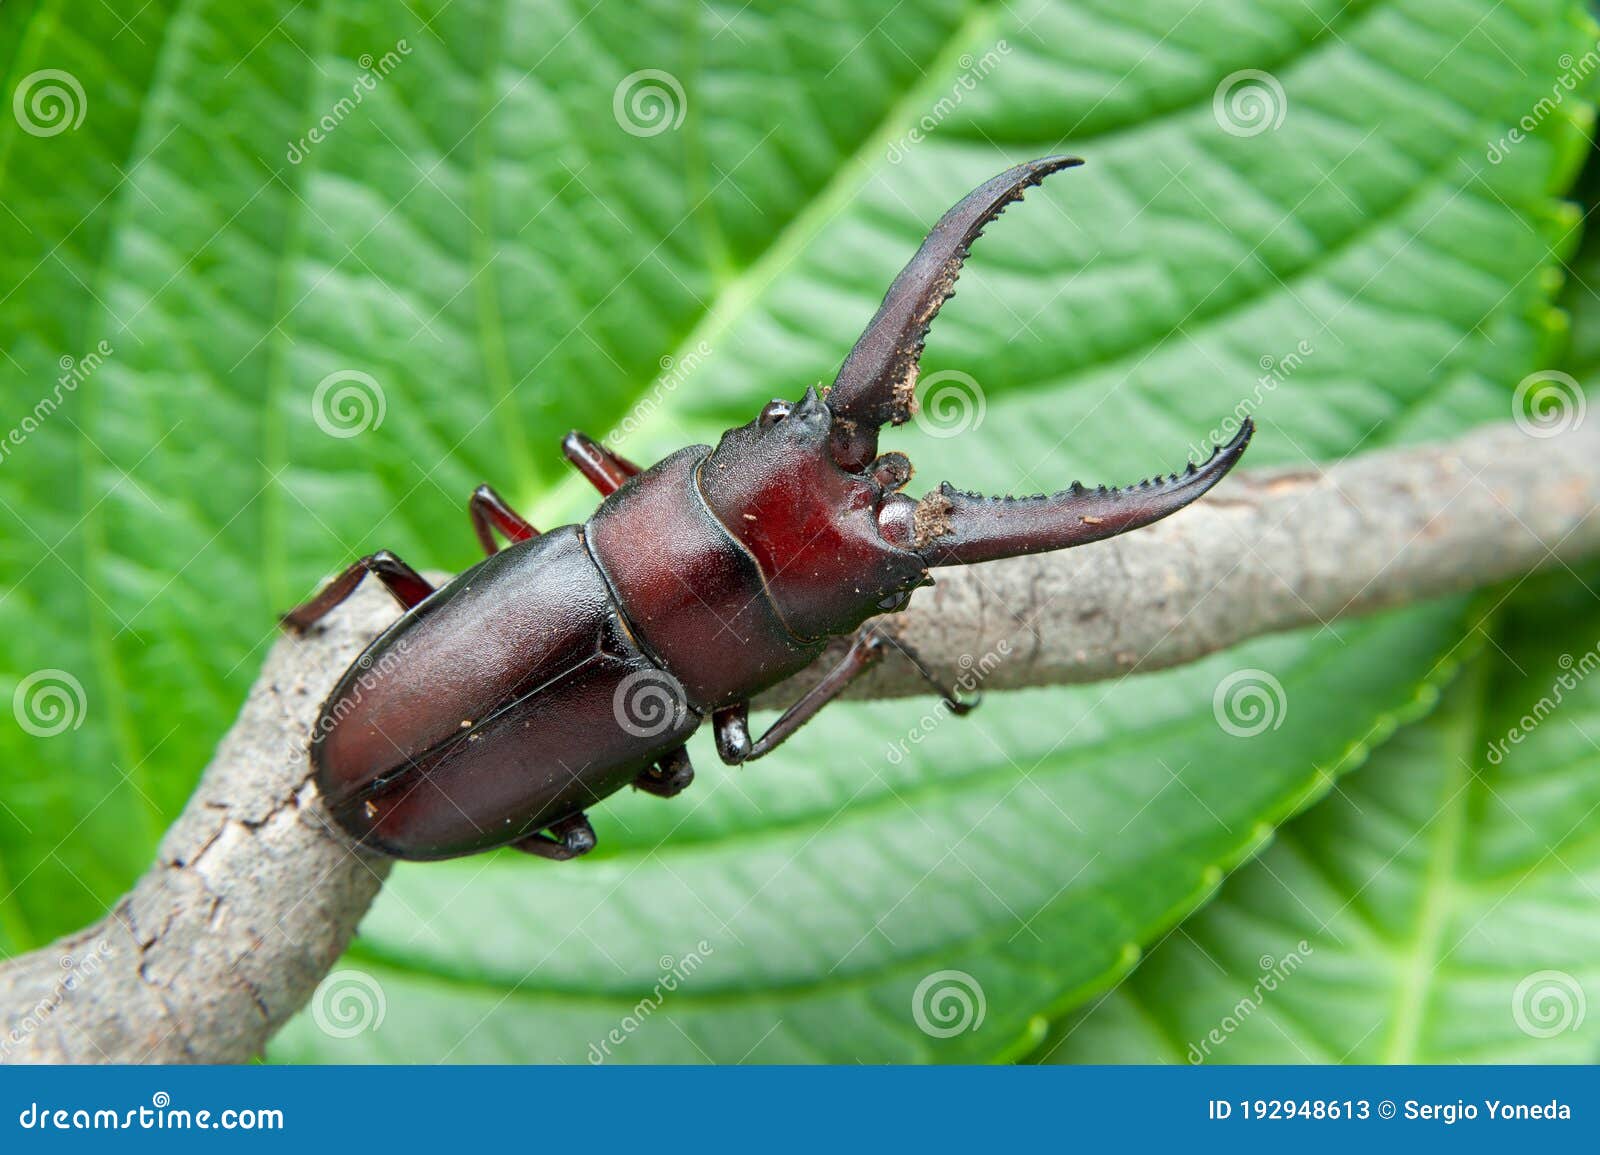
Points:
574	662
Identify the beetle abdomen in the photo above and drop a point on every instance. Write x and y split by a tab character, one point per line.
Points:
492	709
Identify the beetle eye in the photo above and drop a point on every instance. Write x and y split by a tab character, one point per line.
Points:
773	412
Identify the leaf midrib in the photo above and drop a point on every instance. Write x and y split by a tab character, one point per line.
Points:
1447	839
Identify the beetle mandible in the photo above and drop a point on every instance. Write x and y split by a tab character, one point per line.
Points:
572	663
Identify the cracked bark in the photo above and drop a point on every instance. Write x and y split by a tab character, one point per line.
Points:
253	896
250	901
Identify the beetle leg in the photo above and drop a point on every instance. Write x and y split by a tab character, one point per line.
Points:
670	775
566	839
406	584
490	512
948	693
732	723
605	470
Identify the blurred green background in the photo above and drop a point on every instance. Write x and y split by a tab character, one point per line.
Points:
498	221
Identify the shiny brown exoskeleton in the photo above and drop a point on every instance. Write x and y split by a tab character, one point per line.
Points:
572	663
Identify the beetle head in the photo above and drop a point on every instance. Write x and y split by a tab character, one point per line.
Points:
812	525
804	488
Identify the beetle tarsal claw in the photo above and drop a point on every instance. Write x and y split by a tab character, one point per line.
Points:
949	527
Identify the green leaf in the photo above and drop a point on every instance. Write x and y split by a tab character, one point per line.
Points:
1439	908
1388	874
484	240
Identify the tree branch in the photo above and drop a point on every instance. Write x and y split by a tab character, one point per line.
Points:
253	897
